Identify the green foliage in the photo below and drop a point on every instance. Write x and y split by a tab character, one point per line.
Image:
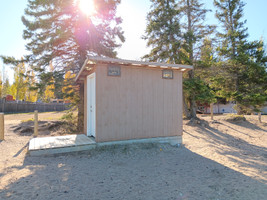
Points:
58	32
242	70
230	13
174	31
70	119
69	116
194	28
163	32
201	91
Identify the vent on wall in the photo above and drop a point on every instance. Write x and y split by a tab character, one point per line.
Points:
114	70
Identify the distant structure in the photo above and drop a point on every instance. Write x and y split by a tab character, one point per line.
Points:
59	101
9	98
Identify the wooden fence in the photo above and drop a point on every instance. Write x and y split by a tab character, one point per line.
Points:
24	107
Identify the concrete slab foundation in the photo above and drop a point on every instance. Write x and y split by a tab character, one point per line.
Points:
174	140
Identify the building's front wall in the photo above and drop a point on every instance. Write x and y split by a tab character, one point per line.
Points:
138	104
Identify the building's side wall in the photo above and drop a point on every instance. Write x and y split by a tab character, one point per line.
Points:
138	104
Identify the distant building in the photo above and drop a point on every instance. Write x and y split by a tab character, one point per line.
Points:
9	98
59	101
221	108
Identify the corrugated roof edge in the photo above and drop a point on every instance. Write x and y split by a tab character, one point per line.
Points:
131	62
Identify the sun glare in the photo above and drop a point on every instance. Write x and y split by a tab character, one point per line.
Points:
87	7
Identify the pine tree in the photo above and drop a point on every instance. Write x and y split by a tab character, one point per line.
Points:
175	29
242	63
60	32
194	32
234	35
253	79
163	32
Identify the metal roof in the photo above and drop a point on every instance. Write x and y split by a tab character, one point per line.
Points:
92	60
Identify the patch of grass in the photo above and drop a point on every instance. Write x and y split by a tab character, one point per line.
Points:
52	118
27	120
69	116
235	118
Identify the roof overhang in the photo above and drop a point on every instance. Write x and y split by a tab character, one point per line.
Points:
93	60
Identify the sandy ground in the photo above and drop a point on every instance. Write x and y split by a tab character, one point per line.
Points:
219	160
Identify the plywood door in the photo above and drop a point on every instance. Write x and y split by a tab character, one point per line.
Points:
91	108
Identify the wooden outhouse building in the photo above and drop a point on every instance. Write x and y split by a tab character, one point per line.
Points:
129	100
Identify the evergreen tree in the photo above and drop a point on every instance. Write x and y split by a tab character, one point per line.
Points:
234	35
163	32
59	32
194	32
175	30
252	93
242	63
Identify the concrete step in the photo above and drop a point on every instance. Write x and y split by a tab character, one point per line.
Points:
60	144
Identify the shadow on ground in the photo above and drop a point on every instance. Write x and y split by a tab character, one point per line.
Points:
147	172
249	125
242	153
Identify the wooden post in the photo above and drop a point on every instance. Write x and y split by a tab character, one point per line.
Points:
2	127
211	111
259	115
35	123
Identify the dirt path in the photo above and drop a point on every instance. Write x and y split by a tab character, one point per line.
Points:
222	160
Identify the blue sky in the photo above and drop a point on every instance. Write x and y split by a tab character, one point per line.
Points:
133	13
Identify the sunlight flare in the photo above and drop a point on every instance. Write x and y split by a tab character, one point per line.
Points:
87	7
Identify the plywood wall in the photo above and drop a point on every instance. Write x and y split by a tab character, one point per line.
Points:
138	104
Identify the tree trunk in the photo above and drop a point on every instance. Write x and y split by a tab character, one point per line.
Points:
238	109
81	109
192	98
193	107
185	109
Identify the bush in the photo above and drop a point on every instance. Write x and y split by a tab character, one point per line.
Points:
70	120
235	118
